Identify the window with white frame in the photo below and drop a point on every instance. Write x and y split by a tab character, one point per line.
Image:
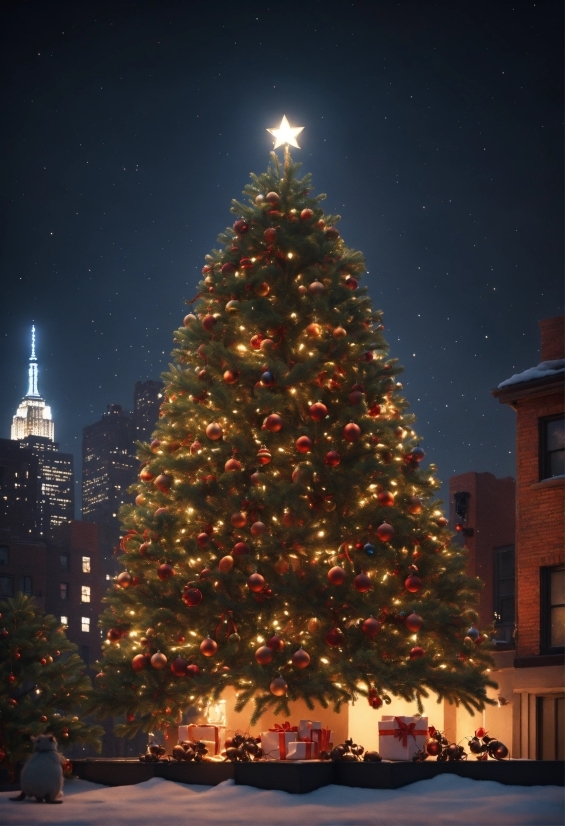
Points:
85	624
86	564
85	593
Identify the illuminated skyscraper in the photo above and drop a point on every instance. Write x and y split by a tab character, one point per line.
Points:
33	416
147	399
34	429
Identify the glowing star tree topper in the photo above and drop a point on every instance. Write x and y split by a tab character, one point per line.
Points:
286	134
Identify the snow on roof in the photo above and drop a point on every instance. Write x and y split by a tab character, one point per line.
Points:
545	370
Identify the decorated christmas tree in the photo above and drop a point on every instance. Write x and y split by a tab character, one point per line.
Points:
285	539
43	683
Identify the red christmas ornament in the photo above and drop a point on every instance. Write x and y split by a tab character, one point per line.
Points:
256	583
385	532
334	637
146	475
332	233
209	322
313	330
316	288
414	504
263	455
238	519
339	332
240	226
301	659
414	622
158	661
276	643
442	521
267	344
165	571
375	410
225	564
231	376
163	483
192	670
160	511
255	342
140	500
240	549
202	539
114	634
189	319
273	198
332	458
336	575
178	667
270	235
413	583
208	647
264	655
262	289
273	423
232	465
258	528
351	432
351	283
227	268
255	478
385	498
195	447
155	445
192	597
371	627
124	579
306	214
278	687
417	653
303	444
318	411
139	662
356	397
362	582
214	431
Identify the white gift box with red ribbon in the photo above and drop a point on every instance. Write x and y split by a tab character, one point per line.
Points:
275	742
302	750
313	730
401	737
213	736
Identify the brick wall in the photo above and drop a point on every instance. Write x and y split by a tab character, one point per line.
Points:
492	516
539	529
552	338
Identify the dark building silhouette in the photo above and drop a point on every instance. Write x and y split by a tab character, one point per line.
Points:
109	467
147	399
22	567
55	484
19	472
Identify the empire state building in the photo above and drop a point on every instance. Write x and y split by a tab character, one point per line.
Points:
33	431
33	416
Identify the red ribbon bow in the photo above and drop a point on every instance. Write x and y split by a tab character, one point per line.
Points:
403	730
285	727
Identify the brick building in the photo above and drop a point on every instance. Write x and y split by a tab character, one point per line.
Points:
534	675
74	587
483	513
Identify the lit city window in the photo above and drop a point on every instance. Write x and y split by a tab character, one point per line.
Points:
85	593
86	564
85	624
64	620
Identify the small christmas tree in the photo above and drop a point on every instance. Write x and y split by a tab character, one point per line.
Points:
285	539
43	683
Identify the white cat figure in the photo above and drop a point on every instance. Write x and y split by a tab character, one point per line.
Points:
42	775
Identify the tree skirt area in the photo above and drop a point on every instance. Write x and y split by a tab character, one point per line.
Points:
446	799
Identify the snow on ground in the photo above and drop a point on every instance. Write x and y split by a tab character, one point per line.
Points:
447	799
545	370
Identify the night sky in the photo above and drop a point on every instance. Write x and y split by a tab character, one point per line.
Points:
435	128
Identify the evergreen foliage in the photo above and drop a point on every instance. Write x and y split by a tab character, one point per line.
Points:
43	683
284	444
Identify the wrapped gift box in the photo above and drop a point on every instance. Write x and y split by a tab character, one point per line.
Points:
401	737
275	741
313	730
302	750
213	736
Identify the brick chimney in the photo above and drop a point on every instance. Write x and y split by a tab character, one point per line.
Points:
552	338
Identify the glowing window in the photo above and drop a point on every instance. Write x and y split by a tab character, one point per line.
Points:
86	564
85	624
85	593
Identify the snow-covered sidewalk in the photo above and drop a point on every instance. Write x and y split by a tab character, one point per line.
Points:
446	799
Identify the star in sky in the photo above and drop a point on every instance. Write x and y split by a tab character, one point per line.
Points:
286	133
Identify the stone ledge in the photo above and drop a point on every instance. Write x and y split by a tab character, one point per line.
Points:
539	661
